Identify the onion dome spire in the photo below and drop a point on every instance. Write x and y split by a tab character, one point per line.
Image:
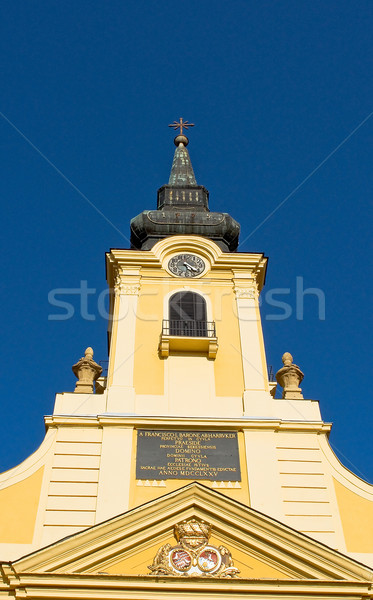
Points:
183	207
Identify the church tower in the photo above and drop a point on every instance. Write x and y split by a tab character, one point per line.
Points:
181	462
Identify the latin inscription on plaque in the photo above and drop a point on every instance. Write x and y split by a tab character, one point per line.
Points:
166	454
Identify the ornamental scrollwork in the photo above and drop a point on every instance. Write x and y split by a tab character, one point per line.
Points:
193	555
249	290
122	287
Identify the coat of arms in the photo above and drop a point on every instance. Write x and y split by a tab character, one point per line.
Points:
193	555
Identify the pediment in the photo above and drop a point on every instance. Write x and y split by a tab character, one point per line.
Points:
261	548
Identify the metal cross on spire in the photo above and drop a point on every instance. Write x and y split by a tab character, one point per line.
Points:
180	124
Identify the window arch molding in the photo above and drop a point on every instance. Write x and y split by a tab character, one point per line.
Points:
167	297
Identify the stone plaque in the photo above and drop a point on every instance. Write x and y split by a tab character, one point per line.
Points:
173	454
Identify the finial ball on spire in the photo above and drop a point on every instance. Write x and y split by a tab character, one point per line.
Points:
181	124
181	139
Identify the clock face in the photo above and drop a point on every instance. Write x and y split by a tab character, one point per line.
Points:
186	265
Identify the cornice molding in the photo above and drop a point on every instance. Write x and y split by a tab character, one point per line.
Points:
238	262
100	587
192	423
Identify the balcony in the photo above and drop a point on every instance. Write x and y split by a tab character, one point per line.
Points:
194	337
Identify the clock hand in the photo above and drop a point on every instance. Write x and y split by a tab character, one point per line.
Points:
188	266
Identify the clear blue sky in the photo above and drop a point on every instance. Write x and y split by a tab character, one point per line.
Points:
274	88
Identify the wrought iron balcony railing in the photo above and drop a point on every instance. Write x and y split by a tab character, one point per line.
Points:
193	337
188	328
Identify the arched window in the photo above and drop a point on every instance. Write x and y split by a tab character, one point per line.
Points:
187	315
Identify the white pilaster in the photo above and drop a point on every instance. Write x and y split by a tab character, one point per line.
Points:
114	481
262	472
121	393
252	346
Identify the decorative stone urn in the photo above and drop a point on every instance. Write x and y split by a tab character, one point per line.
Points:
87	371
289	377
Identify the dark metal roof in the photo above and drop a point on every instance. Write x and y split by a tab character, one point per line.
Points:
182	171
182	209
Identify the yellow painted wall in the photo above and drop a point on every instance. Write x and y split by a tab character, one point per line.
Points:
357	519
138	562
228	364
18	508
250	567
149	379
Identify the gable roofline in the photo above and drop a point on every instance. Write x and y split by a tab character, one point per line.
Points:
232	520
